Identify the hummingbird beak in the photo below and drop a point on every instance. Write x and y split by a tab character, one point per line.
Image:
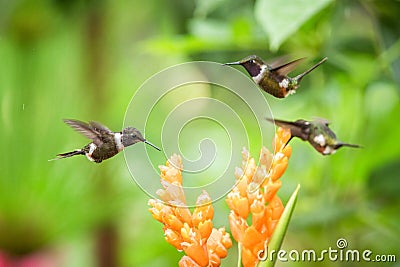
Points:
147	142
232	63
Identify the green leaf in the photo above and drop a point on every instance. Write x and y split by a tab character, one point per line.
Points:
280	230
279	19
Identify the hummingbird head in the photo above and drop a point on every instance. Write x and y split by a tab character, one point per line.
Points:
253	64
132	136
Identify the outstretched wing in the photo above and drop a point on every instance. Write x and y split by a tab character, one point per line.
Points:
286	68
106	135
86	130
98	127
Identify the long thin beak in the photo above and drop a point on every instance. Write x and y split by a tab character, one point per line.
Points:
232	63
147	142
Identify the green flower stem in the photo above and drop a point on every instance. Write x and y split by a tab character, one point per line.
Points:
239	264
279	233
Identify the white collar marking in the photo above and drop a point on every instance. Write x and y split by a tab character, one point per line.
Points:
92	147
118	141
260	76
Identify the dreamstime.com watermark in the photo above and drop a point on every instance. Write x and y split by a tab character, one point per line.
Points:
340	253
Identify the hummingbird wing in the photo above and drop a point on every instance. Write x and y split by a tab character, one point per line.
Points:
85	129
287	67
98	127
105	134
297	128
321	126
323	121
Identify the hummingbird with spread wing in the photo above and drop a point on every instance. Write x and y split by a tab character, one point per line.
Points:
105	143
273	78
316	132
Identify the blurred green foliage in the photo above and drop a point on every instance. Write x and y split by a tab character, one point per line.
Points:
85	59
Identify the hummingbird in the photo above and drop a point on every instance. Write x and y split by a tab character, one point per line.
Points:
105	143
316	132
273	79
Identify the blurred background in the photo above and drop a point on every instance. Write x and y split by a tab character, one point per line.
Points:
84	59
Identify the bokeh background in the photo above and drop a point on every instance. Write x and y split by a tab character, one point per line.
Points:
84	59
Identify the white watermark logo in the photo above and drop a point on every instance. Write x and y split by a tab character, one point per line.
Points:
339	253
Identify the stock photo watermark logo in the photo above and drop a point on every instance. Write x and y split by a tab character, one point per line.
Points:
204	111
341	253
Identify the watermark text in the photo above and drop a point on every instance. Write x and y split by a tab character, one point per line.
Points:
340	253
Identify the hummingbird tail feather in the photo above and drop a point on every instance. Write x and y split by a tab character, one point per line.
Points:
300	76
287	67
70	154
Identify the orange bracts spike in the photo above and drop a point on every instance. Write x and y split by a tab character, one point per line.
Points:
281	138
265	158
226	239
187	262
255	194
197	253
172	172
172	222
238	225
173	238
279	168
248	258
270	189
183	213
258	213
219	242
287	151
172	193
202	213
158	209
205	228
214	260
251	237
242	186
192	233
276	207
238	204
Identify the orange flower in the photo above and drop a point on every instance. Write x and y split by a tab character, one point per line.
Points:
255	194
190	232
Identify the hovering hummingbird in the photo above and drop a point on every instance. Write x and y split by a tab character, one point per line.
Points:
316	132
105	143
273	79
